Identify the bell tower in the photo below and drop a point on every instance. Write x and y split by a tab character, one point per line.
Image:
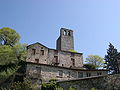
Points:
65	41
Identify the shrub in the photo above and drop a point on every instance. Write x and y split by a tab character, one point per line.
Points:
26	85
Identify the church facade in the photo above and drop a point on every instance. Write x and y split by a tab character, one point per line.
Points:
62	63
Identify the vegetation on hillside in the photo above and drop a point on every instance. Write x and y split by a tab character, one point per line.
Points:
12	53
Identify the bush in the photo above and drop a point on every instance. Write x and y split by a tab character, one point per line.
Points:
26	85
52	85
54	80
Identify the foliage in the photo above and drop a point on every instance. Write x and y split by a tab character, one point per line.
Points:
71	88
7	55
12	53
89	66
48	86
111	59
10	60
8	36
71	50
52	85
20	51
26	85
94	89
7	73
53	80
96	60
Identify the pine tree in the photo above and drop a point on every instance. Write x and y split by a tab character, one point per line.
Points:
111	60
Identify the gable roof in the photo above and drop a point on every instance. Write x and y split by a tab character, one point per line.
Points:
51	48
36	43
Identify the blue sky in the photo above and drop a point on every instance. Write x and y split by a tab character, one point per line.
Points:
95	22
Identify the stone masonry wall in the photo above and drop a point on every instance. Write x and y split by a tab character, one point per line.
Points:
42	72
64	58
108	82
67	43
66	40
38	55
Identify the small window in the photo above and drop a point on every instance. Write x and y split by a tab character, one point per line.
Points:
33	51
68	75
99	73
56	59
73	61
72	54
88	74
60	73
42	52
80	74
55	51
37	60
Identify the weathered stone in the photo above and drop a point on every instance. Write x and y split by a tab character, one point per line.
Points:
108	82
45	63
64	57
45	72
66	41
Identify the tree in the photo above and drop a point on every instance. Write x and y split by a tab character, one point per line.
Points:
7	55
12	53
20	51
111	59
95	60
8	36
89	66
8	61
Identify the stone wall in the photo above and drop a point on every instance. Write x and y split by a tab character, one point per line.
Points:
119	64
108	82
43	72
37	54
64	57
65	41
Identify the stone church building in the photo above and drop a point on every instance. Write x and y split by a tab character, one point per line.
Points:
62	63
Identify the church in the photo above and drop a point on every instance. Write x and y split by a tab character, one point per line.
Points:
62	63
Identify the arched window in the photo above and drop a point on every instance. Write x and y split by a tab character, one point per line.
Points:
65	32
68	33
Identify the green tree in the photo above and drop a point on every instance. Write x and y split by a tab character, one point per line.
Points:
89	66
111	59
8	36
8	61
20	51
96	60
7	55
12	53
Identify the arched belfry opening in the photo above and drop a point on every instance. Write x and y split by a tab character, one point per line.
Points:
65	32
65	41
68	33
